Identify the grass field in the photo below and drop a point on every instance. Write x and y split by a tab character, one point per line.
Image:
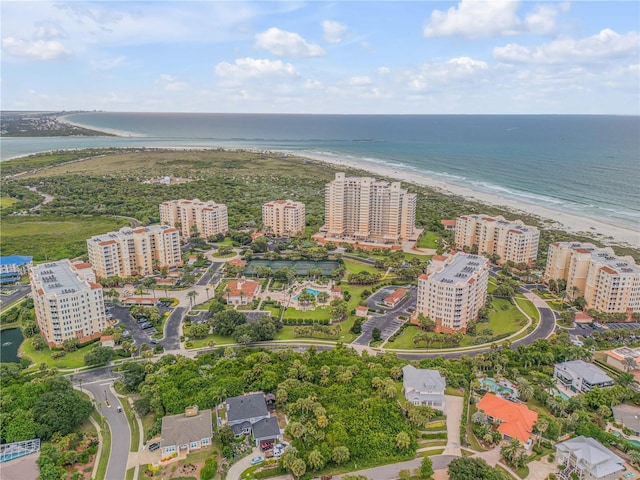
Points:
320	313
70	360
501	322
529	308
7	201
53	238
219	341
354	266
428	240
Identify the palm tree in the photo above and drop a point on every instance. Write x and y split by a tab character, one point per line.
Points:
149	282
316	461
403	441
298	467
541	427
340	455
630	363
525	389
510	450
192	295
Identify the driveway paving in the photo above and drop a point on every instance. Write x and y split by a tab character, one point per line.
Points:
15	293
171	340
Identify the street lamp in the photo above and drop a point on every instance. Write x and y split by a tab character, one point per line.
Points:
105	394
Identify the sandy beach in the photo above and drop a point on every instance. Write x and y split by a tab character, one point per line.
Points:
606	232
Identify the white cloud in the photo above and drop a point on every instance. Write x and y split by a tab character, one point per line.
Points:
334	32
468	64
477	19
254	68
283	43
171	83
49	30
360	81
37	50
107	64
453	74
383	70
313	85
605	45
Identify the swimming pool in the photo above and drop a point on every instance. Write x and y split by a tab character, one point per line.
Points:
562	395
635	443
490	384
312	291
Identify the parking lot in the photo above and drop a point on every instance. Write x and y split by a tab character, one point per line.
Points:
587	329
140	331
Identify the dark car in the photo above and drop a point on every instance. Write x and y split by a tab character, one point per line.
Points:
154	446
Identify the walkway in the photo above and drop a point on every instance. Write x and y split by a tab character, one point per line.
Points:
240	466
454	406
392	471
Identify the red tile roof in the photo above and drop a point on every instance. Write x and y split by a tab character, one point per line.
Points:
362	308
424	276
249	288
609	270
236	262
448	223
517	420
395	296
107	242
582	250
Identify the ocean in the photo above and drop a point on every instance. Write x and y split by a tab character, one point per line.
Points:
583	164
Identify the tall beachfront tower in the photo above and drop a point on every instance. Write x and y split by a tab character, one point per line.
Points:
68	302
607	282
453	290
368	210
511	241
138	251
283	217
191	216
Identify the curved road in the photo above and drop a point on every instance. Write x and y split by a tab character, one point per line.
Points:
98	382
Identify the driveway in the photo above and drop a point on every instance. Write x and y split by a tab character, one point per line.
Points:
492	457
392	471
387	321
454	406
237	468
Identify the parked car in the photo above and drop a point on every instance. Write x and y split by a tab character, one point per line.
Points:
257	460
154	446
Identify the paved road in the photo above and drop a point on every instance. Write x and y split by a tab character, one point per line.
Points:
388	321
17	292
454	406
98	382
391	472
171	340
208	275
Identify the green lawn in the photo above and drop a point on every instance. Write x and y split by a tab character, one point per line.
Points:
428	240
53	238
354	266
70	360
501	322
7	201
320	313
529	308
133	424
106	446
219	341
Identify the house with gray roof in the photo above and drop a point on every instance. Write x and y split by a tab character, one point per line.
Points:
248	414
588	459
187	431
580	376
423	387
628	416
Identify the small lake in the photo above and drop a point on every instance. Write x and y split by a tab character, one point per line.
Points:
10	340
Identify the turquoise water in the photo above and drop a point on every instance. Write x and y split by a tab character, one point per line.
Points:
491	384
562	395
309	290
581	164
632	442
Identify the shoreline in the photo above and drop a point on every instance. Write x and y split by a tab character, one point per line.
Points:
607	232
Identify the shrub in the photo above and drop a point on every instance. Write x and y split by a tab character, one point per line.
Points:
209	470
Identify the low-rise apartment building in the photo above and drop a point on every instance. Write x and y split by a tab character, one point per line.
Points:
580	376
511	241
283	217
68	301
453	290
135	251
194	217
607	282
364	209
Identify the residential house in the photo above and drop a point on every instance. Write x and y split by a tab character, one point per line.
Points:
629	417
449	225
248	414
361	311
393	299
241	291
187	431
423	387
580	376
515	419
12	267
626	359
588	459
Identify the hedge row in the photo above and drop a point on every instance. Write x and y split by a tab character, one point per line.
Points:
305	321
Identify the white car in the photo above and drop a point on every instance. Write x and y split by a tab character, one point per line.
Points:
257	460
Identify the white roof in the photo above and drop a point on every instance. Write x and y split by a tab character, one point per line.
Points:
587	371
601	460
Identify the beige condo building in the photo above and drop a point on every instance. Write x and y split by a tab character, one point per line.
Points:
607	282
512	241
208	218
68	302
365	209
283	217
453	290
138	251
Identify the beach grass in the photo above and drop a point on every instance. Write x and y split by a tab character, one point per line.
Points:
53	238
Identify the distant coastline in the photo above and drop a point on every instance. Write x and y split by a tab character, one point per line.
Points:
596	227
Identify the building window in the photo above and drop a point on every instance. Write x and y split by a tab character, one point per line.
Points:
170	449
205	441
193	445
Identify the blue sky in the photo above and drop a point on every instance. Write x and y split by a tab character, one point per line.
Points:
322	57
